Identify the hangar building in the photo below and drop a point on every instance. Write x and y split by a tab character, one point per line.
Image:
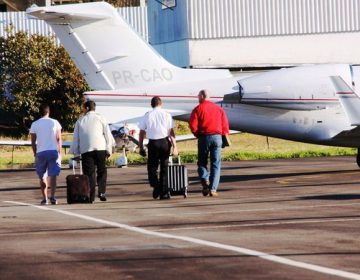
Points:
238	34
255	33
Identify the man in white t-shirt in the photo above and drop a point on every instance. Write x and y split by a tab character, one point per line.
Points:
46	145
158	126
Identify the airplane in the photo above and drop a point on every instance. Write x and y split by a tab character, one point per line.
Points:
300	103
27	143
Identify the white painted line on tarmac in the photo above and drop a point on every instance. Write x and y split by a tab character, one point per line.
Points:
316	221
245	251
262	209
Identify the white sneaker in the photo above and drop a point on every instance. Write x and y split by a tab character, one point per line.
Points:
44	202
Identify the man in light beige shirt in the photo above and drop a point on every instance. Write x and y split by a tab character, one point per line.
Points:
94	142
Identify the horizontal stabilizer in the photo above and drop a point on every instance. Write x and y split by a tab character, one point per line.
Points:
49	13
348	99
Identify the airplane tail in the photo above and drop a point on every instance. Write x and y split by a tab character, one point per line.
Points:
108	52
348	99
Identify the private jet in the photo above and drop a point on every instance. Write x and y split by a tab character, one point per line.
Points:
312	104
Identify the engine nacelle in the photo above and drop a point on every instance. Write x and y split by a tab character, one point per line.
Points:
298	88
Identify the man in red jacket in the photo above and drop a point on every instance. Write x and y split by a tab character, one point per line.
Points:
208	122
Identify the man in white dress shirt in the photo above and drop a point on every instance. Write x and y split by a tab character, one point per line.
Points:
94	142
158	126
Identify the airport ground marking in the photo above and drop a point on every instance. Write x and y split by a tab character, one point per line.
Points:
261	224
241	250
262	209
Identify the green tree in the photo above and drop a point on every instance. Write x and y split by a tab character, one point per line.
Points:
33	70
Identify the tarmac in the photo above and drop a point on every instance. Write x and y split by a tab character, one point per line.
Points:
273	219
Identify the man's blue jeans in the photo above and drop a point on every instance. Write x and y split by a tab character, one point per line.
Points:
210	144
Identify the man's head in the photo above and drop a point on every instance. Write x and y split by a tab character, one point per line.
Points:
156	102
203	95
89	105
44	110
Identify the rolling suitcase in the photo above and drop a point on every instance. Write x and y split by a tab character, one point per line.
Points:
177	177
78	187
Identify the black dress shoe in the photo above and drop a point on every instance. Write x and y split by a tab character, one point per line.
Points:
205	187
102	197
156	193
165	196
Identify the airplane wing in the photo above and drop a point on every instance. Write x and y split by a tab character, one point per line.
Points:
351	136
14	143
349	100
127	136
24	143
181	138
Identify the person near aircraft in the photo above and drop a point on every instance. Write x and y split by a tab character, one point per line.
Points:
94	142
46	145
208	122
158	126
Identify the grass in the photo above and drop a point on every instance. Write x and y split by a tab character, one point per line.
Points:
244	147
252	147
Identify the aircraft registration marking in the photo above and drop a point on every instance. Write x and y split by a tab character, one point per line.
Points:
144	75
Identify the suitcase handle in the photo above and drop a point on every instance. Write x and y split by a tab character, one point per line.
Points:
77	159
171	160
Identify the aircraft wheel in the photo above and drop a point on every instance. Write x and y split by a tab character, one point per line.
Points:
358	157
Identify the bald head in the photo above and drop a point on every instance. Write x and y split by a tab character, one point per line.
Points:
203	95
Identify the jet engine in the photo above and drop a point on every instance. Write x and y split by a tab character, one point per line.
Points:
298	88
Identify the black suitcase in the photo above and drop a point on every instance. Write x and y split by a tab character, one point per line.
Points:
177	177
78	187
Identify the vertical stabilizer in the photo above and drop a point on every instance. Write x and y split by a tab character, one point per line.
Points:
108	52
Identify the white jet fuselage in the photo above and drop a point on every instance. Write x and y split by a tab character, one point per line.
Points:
297	104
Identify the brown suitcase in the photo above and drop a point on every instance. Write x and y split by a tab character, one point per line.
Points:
78	187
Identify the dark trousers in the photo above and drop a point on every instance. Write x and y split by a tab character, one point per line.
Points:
90	161
158	152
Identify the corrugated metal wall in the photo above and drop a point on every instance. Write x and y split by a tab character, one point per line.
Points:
135	16
19	22
235	18
251	18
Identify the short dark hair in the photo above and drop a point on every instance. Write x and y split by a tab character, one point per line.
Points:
156	101
44	109
204	93
90	105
